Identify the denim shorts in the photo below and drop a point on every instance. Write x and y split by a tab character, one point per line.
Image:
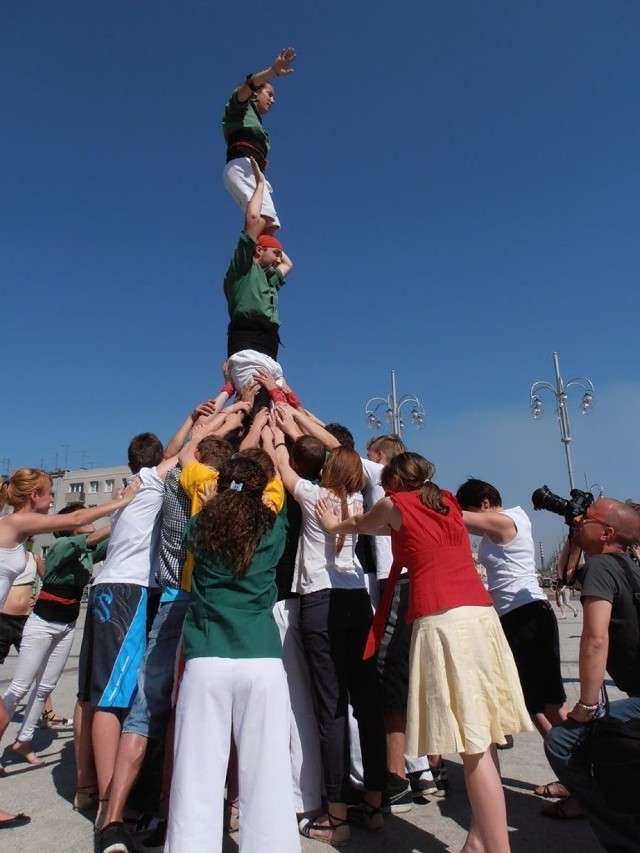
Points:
151	707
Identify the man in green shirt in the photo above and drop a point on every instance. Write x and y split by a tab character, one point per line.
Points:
252	283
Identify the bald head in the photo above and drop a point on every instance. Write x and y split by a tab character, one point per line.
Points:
624	519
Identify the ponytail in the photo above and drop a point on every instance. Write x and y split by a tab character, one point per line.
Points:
414	473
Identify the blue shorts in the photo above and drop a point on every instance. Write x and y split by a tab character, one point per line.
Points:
151	707
113	644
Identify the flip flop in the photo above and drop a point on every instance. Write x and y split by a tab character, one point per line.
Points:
552	791
18	820
562	810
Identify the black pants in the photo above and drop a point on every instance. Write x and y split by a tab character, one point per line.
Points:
334	624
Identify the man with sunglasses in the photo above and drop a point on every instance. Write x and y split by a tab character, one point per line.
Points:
610	643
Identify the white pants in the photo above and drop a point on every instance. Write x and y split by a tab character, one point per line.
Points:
44	651
306	767
239	181
250	698
243	364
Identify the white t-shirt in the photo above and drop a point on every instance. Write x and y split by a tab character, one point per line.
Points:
511	568
135	536
373	492
317	564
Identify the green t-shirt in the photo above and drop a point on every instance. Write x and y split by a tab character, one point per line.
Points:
231	617
242	122
249	290
69	561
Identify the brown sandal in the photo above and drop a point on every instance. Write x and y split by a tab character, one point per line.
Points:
552	791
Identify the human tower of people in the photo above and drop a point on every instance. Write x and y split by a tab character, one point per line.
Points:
255	545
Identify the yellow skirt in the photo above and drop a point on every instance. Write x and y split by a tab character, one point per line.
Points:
464	690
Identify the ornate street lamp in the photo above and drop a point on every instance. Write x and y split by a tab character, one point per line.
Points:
393	410
559	390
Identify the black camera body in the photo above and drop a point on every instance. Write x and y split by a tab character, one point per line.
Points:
569	509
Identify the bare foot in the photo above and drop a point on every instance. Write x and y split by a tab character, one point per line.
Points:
25	749
472	844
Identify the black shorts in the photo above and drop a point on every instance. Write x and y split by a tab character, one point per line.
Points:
11	628
113	644
532	633
393	654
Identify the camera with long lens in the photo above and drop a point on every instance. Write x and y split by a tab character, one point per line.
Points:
569	509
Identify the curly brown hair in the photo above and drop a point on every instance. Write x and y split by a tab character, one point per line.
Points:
235	520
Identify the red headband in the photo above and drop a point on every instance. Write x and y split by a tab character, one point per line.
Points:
266	241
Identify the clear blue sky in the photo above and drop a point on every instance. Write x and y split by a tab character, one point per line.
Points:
459	189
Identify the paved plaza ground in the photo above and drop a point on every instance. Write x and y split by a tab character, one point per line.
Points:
433	826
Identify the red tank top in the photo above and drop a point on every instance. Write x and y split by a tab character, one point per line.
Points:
436	551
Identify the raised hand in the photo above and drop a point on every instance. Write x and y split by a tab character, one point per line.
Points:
209	490
261	419
131	490
257	172
242	406
282	63
284	420
204	410
248	393
265	379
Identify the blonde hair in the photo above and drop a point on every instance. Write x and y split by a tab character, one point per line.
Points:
16	488
390	445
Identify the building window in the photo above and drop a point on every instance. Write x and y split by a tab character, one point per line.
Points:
108	485
93	487
75	488
124	482
45	551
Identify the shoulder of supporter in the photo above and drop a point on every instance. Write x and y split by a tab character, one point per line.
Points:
65	548
194	475
276	278
306	492
173	475
275	495
234	106
150	479
372	471
242	258
599	577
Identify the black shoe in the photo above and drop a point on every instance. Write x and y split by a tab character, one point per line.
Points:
114	838
154	843
398	797
440	780
423	783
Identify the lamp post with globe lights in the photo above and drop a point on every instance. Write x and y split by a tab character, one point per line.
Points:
393	409
560	392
